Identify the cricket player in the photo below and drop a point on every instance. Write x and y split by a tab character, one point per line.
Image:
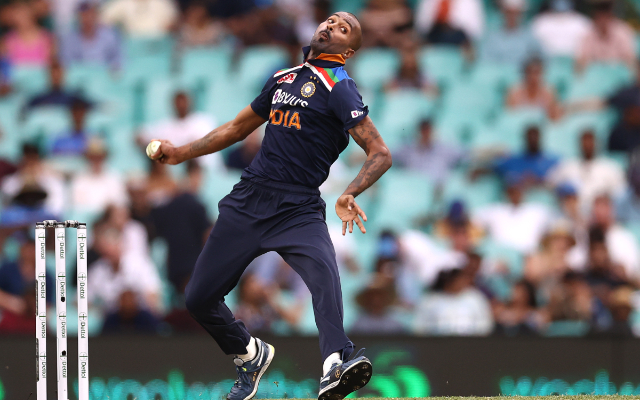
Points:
310	111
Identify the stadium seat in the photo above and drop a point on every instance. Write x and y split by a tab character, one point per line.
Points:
147	59
45	122
224	101
567	329
96	82
402	197
496	77
217	184
401	113
562	138
470	102
256	64
158	95
373	68
508	130
479	193
599	80
29	80
198	66
558	72
443	64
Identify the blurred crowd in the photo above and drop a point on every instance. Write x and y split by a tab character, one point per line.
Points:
481	228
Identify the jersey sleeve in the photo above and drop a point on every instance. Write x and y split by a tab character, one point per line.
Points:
346	103
261	105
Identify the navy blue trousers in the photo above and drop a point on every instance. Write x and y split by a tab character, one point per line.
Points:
259	216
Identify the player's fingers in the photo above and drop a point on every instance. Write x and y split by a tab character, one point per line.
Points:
362	214
351	226
360	225
351	204
344	228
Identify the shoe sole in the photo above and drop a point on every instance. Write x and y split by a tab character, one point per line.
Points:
353	378
272	352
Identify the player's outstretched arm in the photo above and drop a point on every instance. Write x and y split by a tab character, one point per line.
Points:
377	163
218	139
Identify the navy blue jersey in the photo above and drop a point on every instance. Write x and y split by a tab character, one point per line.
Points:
309	109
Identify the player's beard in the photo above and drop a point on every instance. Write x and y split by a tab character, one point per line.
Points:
320	45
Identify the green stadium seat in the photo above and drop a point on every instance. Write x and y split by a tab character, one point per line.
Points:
498	77
217	185
374	68
507	131
256	64
94	81
401	113
479	193
147	59
444	64
29	80
352	6
599	80
198	66
44	122
159	93
541	196
470	102
559	73
562	137
402	197
224	101
567	329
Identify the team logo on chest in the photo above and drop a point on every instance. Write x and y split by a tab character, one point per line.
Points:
308	89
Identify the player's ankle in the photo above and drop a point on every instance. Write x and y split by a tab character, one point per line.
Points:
252	351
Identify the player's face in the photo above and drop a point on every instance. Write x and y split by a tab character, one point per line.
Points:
335	35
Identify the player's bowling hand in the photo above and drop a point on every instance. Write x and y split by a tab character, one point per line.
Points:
349	212
167	153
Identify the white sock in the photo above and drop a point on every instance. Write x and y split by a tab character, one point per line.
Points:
252	351
332	359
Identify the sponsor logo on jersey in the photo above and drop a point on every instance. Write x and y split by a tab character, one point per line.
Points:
356	114
308	89
285	98
288	78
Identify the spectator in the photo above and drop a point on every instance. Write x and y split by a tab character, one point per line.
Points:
514	224
532	166
26	208
17	294
273	272
56	95
129	317
184	128
240	157
591	175
557	255
27	43
454	308
95	189
5	76
625	136
141	18
608	40
443	34
533	92
466	15
184	225
628	204
621	244
520	316
116	273
571	299
198	28
134	236
457	227
257	307
139	206
513	43
34	171
376	317
569	206
386	23
620	307
602	274
409	75
73	143
91	42
429	156
560	29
